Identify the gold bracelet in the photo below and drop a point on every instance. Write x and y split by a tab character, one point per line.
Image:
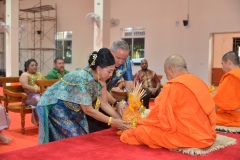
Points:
109	121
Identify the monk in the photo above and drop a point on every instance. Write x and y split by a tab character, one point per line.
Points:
183	115
227	98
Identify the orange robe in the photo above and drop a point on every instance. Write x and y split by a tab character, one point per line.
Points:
227	99
183	116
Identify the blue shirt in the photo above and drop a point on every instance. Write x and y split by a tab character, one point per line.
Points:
124	71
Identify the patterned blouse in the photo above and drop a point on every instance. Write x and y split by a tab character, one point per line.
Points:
124	71
149	78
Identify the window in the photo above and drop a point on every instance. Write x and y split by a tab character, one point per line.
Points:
238	51
64	45
236	45
135	37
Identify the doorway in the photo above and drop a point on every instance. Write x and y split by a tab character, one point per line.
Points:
222	43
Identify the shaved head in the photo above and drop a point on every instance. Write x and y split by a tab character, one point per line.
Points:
174	66
177	62
231	56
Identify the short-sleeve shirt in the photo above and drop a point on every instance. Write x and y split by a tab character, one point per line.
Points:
124	71
148	78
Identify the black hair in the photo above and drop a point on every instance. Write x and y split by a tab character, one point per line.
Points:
103	59
27	63
232	56
58	58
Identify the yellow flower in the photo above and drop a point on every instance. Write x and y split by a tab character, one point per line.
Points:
133	102
211	89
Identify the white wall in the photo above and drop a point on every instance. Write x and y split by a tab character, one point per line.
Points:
71	16
223	43
28	35
2	55
165	33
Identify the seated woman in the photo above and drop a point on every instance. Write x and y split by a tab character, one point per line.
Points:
63	107
28	82
4	124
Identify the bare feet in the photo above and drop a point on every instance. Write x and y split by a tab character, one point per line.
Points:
4	139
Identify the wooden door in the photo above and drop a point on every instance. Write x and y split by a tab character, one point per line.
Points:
217	74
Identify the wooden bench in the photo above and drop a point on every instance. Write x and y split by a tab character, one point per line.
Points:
43	84
14	98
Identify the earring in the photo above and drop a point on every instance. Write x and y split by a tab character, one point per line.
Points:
98	76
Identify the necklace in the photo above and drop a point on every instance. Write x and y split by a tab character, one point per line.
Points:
98	103
32	78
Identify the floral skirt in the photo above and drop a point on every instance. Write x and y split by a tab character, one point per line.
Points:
60	122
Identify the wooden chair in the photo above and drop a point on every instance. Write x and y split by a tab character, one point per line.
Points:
43	84
14	98
160	78
161	86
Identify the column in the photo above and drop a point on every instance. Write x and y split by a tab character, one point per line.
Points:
12	45
102	34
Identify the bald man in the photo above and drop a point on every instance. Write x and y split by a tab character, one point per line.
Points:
150	82
183	115
227	98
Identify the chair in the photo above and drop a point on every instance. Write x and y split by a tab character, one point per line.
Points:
14	98
160	78
161	86
43	84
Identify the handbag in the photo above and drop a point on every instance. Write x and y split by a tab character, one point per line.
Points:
4	118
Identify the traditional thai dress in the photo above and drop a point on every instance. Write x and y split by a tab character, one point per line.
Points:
33	98
59	108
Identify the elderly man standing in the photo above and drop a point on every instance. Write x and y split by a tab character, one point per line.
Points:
123	69
58	71
150	82
183	115
227	97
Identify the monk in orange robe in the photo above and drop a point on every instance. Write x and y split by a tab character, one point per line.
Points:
183	115
227	98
